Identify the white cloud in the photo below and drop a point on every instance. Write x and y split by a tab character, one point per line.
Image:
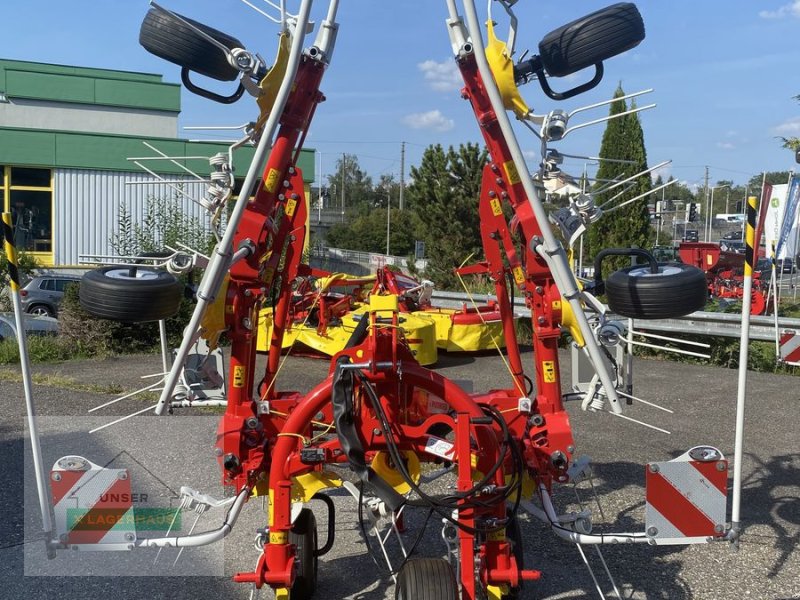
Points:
441	76
433	119
790	127
787	10
726	145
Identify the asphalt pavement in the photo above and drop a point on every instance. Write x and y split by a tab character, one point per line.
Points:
168	452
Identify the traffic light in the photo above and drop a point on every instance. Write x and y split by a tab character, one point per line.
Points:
692	214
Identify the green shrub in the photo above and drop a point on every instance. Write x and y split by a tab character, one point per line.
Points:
41	348
26	265
91	336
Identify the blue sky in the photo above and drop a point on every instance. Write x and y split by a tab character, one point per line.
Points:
724	74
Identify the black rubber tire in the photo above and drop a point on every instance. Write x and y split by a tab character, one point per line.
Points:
675	291
170	39
426	579
514	534
111	293
591	39
304	536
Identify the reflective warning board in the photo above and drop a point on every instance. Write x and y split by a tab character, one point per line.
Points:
92	505
686	498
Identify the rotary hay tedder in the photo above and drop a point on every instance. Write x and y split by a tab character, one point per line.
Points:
378	411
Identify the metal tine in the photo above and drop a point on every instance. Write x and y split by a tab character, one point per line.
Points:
171	525
173	161
134	261
675	350
610	101
164	181
177	181
243	126
627	179
608	572
129	395
262	13
125	418
632	420
654	405
640	196
591	571
191	530
605	119
624	189
621	161
670	339
594	493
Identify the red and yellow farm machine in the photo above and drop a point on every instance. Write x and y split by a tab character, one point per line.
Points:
379	418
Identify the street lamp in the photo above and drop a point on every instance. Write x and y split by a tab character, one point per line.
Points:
710	208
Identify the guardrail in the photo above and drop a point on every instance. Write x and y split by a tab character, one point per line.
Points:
698	323
371	259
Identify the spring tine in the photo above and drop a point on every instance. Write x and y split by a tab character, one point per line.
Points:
174	518
199	514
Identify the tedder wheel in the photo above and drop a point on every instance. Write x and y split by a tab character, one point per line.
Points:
514	533
130	294
676	290
168	38
591	39
304	537
426	579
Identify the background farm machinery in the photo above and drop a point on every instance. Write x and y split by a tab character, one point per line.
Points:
725	273
380	424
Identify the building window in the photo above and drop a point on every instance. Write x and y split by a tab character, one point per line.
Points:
28	194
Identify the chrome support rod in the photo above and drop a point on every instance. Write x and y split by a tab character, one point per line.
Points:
223	252
550	248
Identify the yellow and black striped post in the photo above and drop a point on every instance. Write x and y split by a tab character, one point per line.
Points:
750	257
11	252
42	480
750	237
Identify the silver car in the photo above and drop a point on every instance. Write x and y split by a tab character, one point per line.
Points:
33	326
42	295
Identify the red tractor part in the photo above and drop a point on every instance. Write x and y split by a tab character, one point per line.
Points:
724	272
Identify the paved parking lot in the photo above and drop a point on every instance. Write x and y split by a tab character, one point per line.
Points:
176	451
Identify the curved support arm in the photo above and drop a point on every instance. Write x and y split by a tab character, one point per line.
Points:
598	260
548	515
195	89
584	87
200	539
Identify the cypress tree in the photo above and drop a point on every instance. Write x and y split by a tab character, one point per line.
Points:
444	193
629	226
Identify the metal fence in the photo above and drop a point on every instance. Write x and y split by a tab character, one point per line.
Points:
369	259
762	328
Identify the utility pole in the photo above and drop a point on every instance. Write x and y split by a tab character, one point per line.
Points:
344	165
402	172
388	217
708	207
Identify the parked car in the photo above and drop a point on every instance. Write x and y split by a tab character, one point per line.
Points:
785	265
733	235
42	295
33	326
732	246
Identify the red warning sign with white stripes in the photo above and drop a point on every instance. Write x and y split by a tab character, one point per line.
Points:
92	504
686	498
790	346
